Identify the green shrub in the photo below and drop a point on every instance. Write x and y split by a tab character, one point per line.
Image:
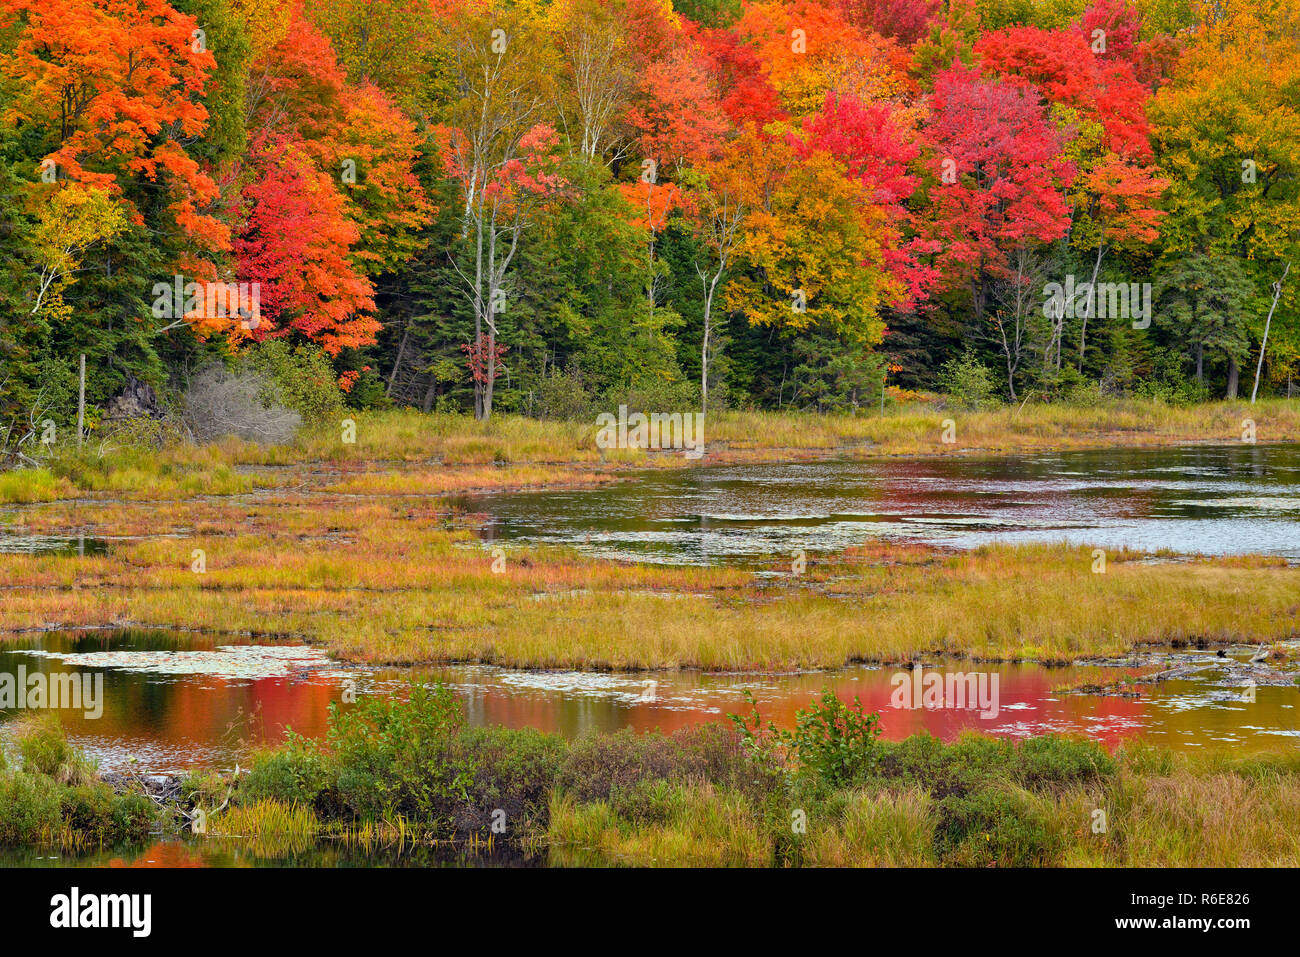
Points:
653	394
205	789
304	377
294	773
29	807
1056	762
832	744
968	383
398	757
97	814
999	828
973	762
515	772
714	753
562	396
369	391
599	765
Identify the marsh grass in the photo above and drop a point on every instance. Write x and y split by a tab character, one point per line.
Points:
268	828
54	798
25	486
394	580
701	827
861	828
704	799
397	439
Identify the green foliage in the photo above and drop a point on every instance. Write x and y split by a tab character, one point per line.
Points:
648	394
599	766
29	807
972	762
562	396
996	828
56	797
304	378
832	744
1205	302
226	36
294	773
835	376
709	13
968	382
95	813
514	771
398	757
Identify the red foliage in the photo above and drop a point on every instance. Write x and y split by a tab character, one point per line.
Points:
296	242
1010	174
479	354
1061	66
744	93
905	20
875	151
676	114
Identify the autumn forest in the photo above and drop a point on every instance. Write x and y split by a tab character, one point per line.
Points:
547	207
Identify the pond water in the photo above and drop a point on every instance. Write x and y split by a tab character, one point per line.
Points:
174	701
1196	499
52	544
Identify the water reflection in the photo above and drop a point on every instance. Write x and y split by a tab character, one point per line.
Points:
80	545
1202	499
235	697
173	852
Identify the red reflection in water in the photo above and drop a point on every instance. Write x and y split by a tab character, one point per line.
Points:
1027	703
161	854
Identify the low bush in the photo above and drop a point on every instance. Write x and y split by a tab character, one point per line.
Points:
832	744
995	827
296	772
220	402
968	383
514	772
303	378
29	808
399	757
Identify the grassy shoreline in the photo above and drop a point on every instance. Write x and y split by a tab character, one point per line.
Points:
376	564
405	452
402	581
410	775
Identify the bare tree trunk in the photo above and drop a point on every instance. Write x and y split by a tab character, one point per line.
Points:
1277	294
81	401
397	363
704	361
1092	303
478	312
710	289
491	322
1233	377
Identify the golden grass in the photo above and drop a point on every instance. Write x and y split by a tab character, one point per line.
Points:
25	486
268	828
408	443
705	829
1195	810
403	580
884	829
1161	809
